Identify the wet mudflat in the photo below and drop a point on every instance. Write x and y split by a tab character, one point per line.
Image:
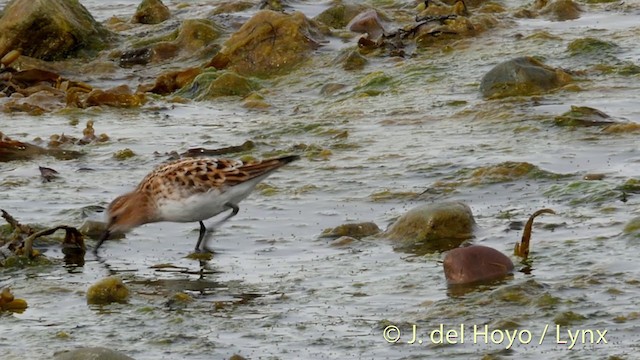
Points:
399	132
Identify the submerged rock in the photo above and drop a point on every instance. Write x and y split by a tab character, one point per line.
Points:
591	47
351	59
119	96
151	12
211	84
91	353
17	150
269	43
171	81
559	10
339	14
433	227
583	116
194	39
523	76
354	230
50	29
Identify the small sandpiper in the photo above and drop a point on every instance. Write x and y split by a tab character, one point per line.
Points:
189	190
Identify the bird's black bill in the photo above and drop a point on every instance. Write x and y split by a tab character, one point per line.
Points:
104	237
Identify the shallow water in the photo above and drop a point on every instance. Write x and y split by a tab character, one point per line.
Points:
278	291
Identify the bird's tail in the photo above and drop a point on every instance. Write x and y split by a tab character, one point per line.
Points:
262	168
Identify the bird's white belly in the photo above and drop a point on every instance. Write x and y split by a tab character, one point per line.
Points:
202	206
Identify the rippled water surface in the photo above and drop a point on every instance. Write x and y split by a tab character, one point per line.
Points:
275	289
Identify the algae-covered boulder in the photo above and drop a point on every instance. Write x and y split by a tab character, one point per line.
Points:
151	12
433	227
269	43
354	230
194	39
523	76
211	84
49	29
560	10
584	116
339	15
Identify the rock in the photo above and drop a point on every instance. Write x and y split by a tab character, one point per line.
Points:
447	31
584	116
633	226
369	23
433	8
171	81
50	29
350	59
354	230
91	353
560	10
232	7
591	47
119	96
339	15
194	39
17	150
433	227
211	84
475	263
108	290
523	76
270	43
331	88
151	12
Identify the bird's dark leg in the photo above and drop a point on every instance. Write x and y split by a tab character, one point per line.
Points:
211	228
104	237
203	232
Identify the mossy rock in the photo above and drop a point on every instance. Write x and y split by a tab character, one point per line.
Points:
561	10
351	59
433	227
212	83
338	15
583	116
354	230
584	192
507	171
50	29
591	46
633	226
195	38
232	7
151	12
523	76
270	43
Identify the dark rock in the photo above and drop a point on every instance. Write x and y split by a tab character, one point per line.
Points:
50	29
338	15
151	12
523	76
